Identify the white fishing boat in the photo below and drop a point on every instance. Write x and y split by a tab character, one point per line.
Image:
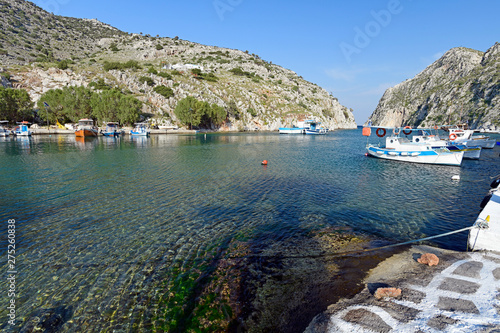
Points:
485	236
461	134
291	130
111	130
22	129
4	132
436	142
398	148
314	128
299	129
140	129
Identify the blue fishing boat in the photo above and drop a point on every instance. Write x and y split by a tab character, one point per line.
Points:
314	128
22	129
140	129
111	130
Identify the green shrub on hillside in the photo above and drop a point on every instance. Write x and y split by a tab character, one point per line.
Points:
165	75
145	79
131	64
166	92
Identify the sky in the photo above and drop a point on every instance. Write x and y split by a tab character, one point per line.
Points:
353	49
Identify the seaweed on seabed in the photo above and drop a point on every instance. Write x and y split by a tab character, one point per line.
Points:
199	296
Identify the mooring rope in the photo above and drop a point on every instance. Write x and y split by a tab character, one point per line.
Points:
338	254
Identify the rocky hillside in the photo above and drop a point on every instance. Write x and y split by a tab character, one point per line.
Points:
463	86
258	94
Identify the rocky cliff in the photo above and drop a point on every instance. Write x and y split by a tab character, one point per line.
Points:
258	94
463	86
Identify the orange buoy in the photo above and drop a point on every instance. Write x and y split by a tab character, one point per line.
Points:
264	162
407	130
367	131
453	136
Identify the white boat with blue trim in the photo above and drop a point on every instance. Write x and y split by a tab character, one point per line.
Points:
4	132
436	142
299	129
401	149
140	129
22	129
111	130
315	128
461	134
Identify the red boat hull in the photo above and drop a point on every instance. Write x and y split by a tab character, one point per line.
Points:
85	132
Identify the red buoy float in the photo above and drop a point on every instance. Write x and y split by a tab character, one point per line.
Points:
264	162
453	136
407	130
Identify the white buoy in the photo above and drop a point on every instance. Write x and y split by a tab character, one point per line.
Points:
455	177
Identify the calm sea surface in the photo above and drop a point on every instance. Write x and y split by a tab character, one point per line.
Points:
104	218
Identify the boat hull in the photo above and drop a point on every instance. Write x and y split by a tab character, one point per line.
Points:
86	133
139	133
315	132
111	134
441	157
485	237
284	130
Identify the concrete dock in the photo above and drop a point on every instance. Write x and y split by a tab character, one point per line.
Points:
459	294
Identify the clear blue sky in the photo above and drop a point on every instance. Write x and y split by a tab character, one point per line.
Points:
353	49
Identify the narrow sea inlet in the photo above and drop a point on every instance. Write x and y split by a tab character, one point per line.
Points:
186	232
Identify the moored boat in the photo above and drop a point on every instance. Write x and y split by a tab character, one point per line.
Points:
111	129
401	149
485	234
299	129
140	129
436	142
291	130
461	134
4	132
314	128
22	129
86	128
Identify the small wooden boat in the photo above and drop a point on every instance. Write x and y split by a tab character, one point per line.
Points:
86	128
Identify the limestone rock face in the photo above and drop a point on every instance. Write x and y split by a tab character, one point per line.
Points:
462	86
262	96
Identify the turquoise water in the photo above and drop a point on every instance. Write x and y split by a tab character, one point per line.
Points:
102	226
